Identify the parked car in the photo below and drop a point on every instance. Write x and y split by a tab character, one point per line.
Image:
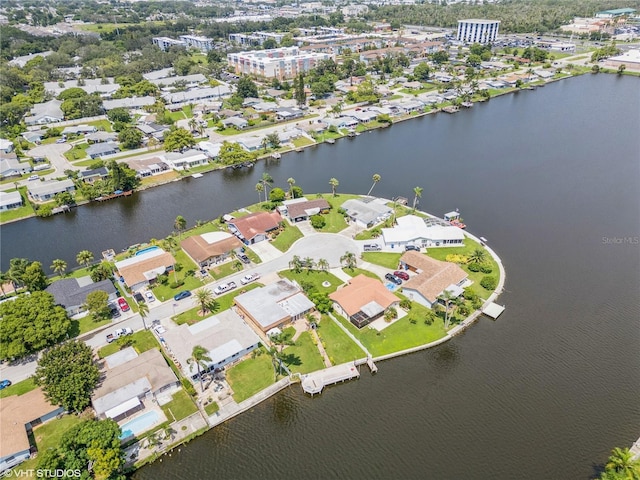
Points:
402	275
60	140
411	247
122	303
181	295
249	278
121	332
372	247
5	384
393	278
159	329
224	287
149	295
138	297
115	313
34	177
243	258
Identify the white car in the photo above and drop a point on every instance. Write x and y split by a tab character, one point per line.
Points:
150	297
224	287
34	177
249	278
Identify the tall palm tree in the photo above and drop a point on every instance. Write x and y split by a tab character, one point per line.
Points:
417	191
4	278
259	189
264	144
267	181
446	297
291	181
170	242
334	184
622	462
323	264
84	257
180	224
349	260
376	179
199	356
478	256
59	266
295	264
143	310
193	124
309	264
204	299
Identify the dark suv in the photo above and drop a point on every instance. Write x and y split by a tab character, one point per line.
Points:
411	247
391	277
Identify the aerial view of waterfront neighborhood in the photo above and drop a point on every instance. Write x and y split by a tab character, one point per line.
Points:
118	357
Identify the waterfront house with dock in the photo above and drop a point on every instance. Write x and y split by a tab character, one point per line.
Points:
43	191
10	200
210	248
255	227
414	230
142	269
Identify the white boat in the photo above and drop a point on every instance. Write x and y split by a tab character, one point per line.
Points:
197	175
276	155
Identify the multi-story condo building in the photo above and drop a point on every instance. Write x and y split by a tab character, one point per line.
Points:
255	38
477	31
164	43
201	43
280	63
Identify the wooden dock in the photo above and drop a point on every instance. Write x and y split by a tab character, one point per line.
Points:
314	383
104	198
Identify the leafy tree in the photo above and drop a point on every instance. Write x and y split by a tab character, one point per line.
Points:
323	264
64	199
266	180
119	114
621	69
84	257
199	356
178	139
17	267
97	303
439	57
299	93
130	138
273	140
376	178
334	184
100	272
291	181
277	195
488	282
34	277
297	192
246	87
317	221
260	189
295	264
59	266
422	72
446	298
232	153
269	43
75	92
121	176
91	442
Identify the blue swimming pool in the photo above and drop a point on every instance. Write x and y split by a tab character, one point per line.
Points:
139	424
145	250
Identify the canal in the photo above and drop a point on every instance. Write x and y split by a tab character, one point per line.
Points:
552	179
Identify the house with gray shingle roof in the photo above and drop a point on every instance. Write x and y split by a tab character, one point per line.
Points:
47	112
101	149
71	293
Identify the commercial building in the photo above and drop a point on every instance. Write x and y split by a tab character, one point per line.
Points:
477	31
281	63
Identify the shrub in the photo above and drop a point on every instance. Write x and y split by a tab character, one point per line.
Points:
486	268
45	211
317	221
162	279
178	284
488	282
474	267
188	387
405	304
178	267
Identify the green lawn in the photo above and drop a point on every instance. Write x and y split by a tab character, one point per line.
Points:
224	269
164	292
103	125
142	341
175	116
304	356
339	346
401	335
18	388
360	271
387	260
207	227
316	277
253	256
85	324
302	142
211	408
335	222
287	237
224	303
250	376
78	152
24	211
181	406
48	436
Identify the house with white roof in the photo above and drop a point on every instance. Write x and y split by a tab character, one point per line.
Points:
185	160
212	150
10	200
47	112
414	230
367	212
5	145
44	191
10	166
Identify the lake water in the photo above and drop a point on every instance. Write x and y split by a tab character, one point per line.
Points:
552	179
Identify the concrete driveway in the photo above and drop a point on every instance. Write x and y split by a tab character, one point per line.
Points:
54	152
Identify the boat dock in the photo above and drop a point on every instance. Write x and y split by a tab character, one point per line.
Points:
313	383
117	194
450	109
493	310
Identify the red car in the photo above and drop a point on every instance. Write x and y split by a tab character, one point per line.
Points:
122	303
402	275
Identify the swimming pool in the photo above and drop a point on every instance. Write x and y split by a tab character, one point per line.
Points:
145	250
139	424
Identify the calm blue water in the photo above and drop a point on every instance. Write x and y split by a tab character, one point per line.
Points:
139	424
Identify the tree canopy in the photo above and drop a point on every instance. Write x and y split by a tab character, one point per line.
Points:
232	153
31	323
177	139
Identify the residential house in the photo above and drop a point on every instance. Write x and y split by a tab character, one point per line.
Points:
99	137
363	300
10	166
236	122
342	122
212	150
367	212
185	160
104	87
142	269
90	176
188	81
250	144
288	113
432	279
255	227
130	380
18	415
79	130
364	116
102	149
44	191
6	146
210	248
47	112
226	337
273	306
34	136
129	103
10	200
148	166
153	130
300	209
414	230
71	293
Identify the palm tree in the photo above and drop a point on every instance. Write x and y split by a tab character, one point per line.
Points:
478	256
180	224
85	257
376	179
291	181
199	356
59	266
237	265
323	264
170	243
267	180
260	189
349	260
295	264
264	144
4	278
337	109
193	124
204	299
309	264
417	194
446	297
334	184
143	310
622	462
